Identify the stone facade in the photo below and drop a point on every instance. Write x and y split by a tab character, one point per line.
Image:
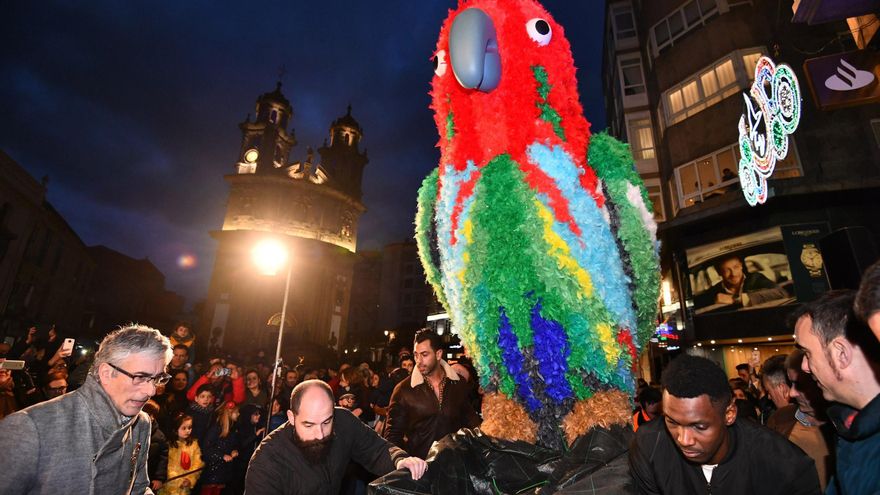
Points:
313	207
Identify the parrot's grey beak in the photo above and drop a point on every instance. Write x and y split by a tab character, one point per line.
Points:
473	51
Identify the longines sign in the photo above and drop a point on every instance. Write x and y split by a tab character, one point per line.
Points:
844	79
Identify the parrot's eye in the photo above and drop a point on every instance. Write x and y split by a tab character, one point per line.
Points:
539	30
439	61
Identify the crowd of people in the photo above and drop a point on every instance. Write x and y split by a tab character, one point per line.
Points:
143	414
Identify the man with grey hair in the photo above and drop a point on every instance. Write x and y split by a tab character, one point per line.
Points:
775	381
94	439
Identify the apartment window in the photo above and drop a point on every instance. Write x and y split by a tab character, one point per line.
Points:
686	18
725	77
655	195
707	176
631	77
641	137
673	194
624	24
716	174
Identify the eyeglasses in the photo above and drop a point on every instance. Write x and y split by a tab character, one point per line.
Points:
140	379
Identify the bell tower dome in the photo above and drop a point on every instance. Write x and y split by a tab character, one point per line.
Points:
266	142
342	158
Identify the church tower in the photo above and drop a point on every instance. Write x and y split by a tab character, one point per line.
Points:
266	143
314	208
342	157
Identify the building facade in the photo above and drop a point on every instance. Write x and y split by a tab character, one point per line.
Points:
124	290
44	266
313	207
390	300
678	77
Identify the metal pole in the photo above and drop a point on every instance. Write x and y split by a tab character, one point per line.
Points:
278	348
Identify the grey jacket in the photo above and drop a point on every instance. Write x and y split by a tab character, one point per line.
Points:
75	443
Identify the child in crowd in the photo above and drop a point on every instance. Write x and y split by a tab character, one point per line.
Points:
183	334
201	409
184	456
220	448
251	430
278	417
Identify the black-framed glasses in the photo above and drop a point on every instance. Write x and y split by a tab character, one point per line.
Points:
140	379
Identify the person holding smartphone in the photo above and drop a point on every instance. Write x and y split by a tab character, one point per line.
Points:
226	382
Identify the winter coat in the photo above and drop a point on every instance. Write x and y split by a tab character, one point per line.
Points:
759	462
76	443
279	468
203	418
182	458
416	418
218	471
858	449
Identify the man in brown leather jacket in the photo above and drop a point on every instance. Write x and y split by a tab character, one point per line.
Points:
431	404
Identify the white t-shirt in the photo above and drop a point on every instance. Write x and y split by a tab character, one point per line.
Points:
707	471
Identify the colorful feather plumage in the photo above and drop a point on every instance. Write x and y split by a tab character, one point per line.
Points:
544	255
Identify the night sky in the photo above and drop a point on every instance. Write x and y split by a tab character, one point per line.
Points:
131	108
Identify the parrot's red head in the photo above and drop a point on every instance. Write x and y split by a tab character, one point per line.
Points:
504	79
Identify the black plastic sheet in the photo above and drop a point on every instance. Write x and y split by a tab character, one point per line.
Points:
469	462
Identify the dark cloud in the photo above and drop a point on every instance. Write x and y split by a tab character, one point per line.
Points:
132	108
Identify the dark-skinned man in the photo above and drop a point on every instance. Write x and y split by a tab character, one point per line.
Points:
431	404
700	447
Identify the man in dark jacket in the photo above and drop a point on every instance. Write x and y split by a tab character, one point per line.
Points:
701	448
844	358
431	404
309	454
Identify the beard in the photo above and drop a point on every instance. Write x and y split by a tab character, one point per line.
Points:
315	451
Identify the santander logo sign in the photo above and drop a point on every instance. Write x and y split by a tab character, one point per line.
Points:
848	78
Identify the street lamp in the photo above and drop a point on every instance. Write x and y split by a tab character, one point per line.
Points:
269	256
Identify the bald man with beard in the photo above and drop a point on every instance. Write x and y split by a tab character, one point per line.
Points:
309	454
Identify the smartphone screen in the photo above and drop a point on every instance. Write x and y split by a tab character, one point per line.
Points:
10	364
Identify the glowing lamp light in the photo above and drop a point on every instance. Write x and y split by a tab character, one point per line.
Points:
251	155
269	256
773	111
187	261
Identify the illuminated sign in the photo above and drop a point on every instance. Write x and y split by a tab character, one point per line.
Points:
773	110
663	334
844	79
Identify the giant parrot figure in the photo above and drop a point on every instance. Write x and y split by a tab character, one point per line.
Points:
537	237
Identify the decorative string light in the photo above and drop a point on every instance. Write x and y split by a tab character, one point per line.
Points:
773	111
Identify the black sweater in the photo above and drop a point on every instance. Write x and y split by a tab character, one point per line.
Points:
760	462
278	467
